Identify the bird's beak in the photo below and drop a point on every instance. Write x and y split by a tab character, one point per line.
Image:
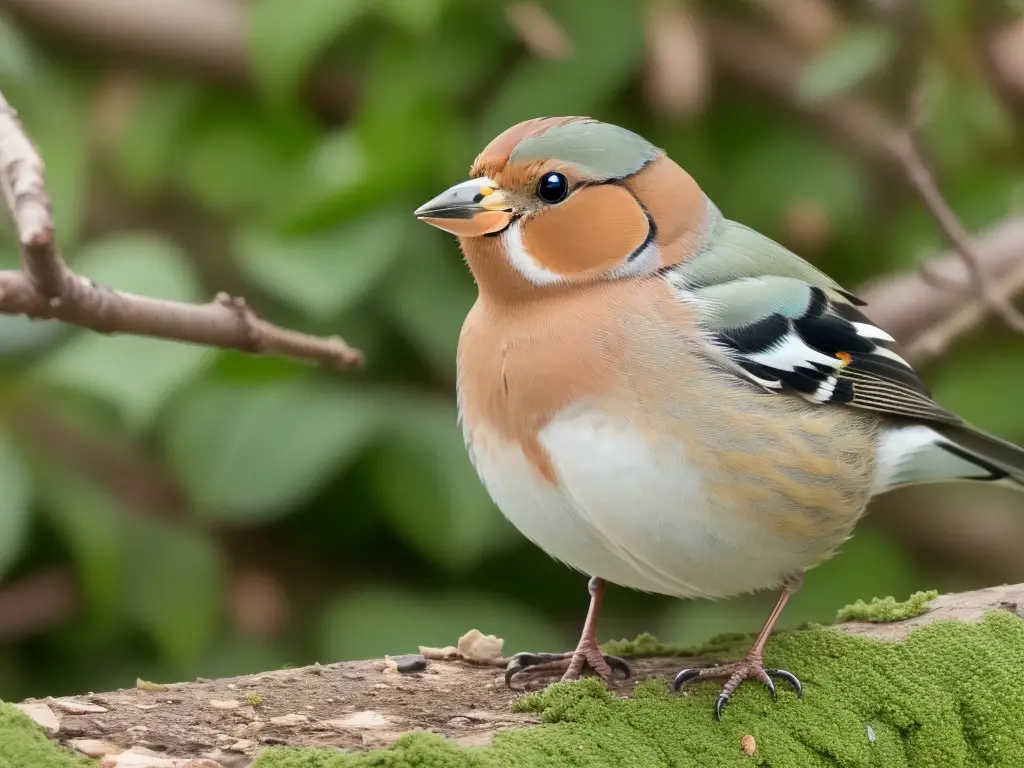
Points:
472	208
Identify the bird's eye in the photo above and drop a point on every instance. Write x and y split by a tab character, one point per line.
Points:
552	188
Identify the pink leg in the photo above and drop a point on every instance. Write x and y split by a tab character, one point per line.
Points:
587	653
752	665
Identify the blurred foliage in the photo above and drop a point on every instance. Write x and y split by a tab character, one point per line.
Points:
222	513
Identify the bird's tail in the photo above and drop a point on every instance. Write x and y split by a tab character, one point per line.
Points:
1003	460
933	453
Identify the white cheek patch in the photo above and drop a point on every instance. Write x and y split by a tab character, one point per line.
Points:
521	259
643	263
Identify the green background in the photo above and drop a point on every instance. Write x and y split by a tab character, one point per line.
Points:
168	511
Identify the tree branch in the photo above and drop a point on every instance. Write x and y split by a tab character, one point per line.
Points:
47	289
356	705
910	303
904	148
207	38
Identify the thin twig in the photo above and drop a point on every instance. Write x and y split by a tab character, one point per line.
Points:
903	146
46	288
935	341
539	31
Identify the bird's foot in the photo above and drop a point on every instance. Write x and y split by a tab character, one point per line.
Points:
736	673
586	656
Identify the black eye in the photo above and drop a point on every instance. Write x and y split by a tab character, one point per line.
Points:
552	188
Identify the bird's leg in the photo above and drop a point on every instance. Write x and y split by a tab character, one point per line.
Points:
752	665
587	654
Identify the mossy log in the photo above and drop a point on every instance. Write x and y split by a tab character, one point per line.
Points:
941	688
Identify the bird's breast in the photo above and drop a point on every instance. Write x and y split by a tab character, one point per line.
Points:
610	442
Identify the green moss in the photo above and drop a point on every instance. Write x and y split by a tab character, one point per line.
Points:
646	645
951	694
887	609
23	744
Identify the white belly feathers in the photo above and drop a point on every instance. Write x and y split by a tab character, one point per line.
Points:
631	508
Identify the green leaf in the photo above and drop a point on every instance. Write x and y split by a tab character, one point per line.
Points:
135	374
15	503
980	384
862	52
287	38
174	586
230	168
440	506
608	48
417	16
429	297
964	118
89	522
249	454
18	62
764	180
149	148
372	622
332	177
325	273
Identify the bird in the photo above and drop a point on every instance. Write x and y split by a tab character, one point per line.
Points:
665	399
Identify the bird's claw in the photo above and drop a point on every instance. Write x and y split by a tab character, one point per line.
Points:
736	674
572	664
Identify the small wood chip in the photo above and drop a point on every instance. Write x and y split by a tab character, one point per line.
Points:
138	758
476	646
41	715
144	758
748	745
75	707
289	719
441	654
225	703
94	747
366	719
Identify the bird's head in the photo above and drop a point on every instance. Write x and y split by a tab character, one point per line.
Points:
557	201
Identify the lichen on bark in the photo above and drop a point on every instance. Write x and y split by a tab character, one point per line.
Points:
951	694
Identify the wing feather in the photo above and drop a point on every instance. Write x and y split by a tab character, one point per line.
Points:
789	327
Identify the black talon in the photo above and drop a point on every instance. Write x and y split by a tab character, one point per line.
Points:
618	664
523	661
790	678
683	677
720	703
771	688
511	671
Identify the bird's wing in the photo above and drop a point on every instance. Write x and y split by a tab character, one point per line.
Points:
790	327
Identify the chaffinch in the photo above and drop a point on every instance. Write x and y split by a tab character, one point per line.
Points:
666	399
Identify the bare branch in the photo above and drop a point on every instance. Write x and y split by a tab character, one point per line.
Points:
207	38
465	703
915	302
539	31
47	289
903	145
935	341
21	178
909	304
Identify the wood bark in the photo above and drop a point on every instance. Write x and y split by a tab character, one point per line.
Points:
356	705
